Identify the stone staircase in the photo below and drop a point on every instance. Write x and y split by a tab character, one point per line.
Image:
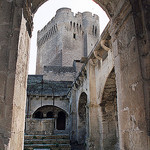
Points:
47	142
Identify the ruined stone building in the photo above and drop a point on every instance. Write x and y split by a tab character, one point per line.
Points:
99	98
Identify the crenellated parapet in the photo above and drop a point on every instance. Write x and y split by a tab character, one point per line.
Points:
47	35
77	23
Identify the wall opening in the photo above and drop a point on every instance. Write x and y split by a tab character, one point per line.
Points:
82	121
50	114
38	115
110	135
47	111
74	35
61	121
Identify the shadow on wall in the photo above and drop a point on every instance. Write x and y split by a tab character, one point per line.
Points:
110	136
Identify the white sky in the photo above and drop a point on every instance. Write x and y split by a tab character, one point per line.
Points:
48	10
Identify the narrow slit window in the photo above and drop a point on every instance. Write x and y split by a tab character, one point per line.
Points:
74	35
74	24
95	31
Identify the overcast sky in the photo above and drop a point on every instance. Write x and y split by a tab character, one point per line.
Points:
48	10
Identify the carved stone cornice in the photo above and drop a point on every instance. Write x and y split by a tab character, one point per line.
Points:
93	61
105	45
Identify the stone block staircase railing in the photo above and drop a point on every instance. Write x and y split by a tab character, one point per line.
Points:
47	142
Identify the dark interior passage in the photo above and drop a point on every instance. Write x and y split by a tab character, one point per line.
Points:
38	115
50	114
61	121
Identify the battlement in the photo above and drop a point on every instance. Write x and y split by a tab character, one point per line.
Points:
90	15
59	13
47	35
64	15
64	11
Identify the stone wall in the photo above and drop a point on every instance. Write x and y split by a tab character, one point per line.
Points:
39	126
106	108
129	20
58	73
38	101
14	50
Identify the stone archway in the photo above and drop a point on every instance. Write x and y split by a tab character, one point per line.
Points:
47	118
130	34
82	119
110	132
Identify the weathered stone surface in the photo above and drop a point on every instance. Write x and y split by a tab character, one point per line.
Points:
39	127
129	31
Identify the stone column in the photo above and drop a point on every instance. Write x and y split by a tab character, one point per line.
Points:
73	116
55	121
94	129
14	46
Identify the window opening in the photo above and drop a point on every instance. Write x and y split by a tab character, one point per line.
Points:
95	31
50	114
74	35
38	114
74	24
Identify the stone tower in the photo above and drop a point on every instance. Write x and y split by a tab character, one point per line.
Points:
67	37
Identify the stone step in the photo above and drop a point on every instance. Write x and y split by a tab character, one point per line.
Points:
59	136
47	141
47	146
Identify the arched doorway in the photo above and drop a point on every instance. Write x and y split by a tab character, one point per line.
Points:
82	120
61	121
38	114
110	135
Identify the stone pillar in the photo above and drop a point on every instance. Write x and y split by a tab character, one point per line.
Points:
55	121
94	129
73	116
14	46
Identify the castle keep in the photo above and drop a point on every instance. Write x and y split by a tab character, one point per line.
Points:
64	41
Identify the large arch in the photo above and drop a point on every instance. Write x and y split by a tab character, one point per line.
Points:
105	4
82	119
110	131
130	34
